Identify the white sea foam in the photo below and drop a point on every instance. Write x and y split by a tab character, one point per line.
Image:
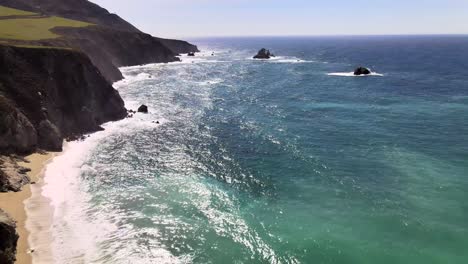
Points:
281	59
69	201
76	234
351	74
184	59
78	230
204	56
210	82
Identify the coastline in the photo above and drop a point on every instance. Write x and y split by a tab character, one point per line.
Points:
19	206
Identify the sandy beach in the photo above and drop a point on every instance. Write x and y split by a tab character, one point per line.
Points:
31	211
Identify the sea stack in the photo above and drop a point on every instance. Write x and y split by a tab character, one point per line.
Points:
362	71
264	54
191	54
143	109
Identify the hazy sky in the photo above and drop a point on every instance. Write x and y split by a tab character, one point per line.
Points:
186	18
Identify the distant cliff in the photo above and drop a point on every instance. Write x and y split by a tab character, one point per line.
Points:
109	49
111	43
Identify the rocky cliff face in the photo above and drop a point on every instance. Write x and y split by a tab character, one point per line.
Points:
15	127
109	49
47	94
178	46
8	239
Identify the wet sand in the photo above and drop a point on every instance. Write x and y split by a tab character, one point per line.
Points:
31	211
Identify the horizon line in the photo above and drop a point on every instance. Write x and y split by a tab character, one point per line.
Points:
323	35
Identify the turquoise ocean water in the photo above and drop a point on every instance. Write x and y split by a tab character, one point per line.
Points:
291	160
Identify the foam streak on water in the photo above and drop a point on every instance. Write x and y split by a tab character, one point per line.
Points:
351	74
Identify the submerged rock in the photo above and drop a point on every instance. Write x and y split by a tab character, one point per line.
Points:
191	54
143	109
362	71
264	54
8	239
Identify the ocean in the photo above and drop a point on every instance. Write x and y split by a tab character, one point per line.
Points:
291	160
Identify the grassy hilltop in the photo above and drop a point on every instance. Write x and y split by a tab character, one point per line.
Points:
6	11
18	25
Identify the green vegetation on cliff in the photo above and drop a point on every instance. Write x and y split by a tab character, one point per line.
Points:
6	11
34	28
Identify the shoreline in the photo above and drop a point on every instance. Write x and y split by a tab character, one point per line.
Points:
30	210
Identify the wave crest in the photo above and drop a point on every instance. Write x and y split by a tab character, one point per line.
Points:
351	74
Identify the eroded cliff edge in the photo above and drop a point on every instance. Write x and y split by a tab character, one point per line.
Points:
47	94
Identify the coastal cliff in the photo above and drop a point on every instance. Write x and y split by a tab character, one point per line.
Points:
110	49
110	42
58	60
48	94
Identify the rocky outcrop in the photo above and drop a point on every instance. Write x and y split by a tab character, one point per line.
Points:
51	94
8	239
263	54
362	71
178	46
17	134
12	176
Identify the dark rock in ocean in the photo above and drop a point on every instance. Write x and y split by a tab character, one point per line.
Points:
143	109
8	239
263	54
12	175
362	71
191	54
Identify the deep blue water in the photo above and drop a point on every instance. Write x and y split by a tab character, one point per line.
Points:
280	162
